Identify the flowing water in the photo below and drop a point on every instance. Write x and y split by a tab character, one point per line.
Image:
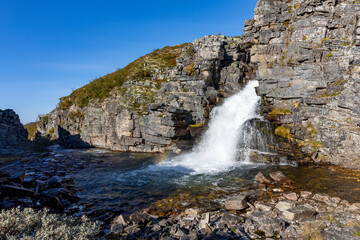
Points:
218	167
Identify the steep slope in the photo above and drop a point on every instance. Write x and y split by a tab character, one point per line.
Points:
158	99
308	57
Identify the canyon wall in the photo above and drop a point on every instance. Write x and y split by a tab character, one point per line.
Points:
13	135
308	58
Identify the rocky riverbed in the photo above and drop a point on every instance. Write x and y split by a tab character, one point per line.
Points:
269	205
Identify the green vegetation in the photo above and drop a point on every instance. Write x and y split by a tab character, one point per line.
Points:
32	129
325	39
139	70
304	38
339	82
280	111
329	55
198	125
51	131
326	94
29	224
329	218
284	132
190	69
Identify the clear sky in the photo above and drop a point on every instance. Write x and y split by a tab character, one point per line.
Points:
49	48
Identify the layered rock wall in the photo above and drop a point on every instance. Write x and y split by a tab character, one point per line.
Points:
308	58
207	70
13	135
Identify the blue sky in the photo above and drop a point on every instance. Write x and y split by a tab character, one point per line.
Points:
49	48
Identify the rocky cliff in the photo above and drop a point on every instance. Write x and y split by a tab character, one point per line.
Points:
13	136
160	98
308	58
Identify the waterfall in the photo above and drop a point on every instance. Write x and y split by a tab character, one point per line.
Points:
218	149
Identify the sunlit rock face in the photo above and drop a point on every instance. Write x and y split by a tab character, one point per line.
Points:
13	136
308	54
158	105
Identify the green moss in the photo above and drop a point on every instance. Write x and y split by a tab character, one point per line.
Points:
357	234
51	131
329	55
327	95
284	132
198	125
138	70
304	38
325	39
280	111
339	82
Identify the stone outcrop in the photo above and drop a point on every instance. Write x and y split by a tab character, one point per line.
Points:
306	57
13	136
308	54
147	114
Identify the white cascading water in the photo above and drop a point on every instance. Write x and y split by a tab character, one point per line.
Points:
218	149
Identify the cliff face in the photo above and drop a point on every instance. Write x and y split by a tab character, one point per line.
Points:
13	136
154	104
308	59
306	56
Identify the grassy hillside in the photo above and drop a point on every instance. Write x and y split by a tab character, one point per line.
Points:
139	70
32	129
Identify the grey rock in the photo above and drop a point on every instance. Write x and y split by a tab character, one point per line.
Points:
237	203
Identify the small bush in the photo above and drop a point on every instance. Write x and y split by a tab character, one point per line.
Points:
29	224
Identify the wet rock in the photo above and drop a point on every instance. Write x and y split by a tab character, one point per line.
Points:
262	179
279	177
237	203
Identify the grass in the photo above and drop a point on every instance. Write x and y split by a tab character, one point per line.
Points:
139	70
32	129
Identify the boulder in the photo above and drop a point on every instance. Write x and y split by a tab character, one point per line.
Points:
280	177
298	213
238	202
262	179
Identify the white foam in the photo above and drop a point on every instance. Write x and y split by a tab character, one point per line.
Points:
218	149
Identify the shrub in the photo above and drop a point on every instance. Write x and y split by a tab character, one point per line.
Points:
29	224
